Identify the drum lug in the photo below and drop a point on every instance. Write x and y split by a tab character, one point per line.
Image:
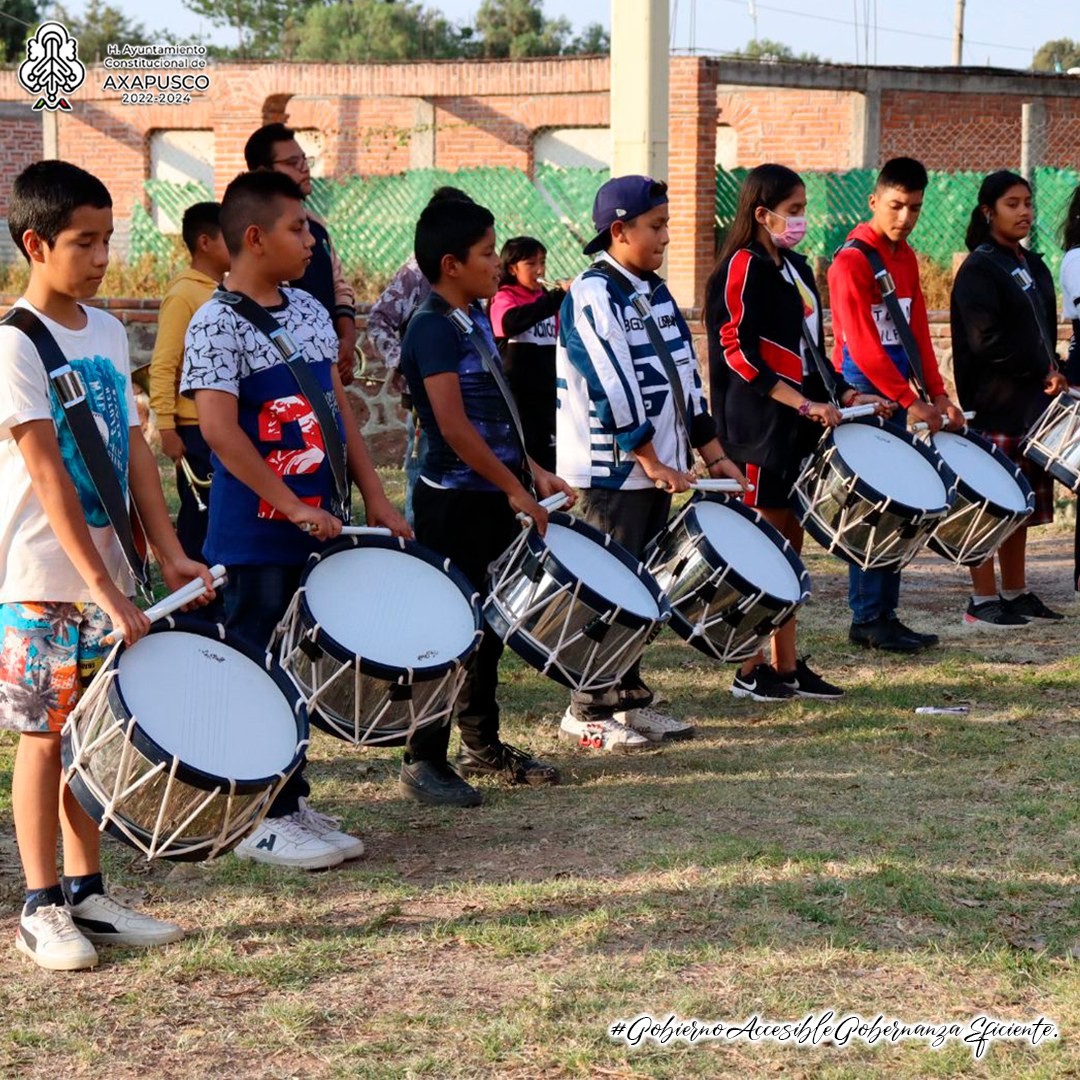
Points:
310	649
597	629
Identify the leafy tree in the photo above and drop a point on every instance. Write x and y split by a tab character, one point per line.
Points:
774	52
359	30
1059	55
519	28
13	31
265	29
99	26
593	40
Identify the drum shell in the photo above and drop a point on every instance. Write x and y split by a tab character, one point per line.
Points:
1053	443
955	539
705	591
545	605
837	490
177	787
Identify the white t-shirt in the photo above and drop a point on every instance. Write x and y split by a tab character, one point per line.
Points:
1070	283
33	565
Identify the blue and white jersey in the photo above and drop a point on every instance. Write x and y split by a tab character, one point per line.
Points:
613	392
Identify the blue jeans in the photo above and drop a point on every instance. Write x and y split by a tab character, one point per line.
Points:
415	449
872	594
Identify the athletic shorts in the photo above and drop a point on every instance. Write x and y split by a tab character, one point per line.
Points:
772	487
48	652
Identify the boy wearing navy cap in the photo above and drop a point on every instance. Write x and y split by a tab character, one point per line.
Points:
620	436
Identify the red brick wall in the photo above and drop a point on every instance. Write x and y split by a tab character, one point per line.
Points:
20	145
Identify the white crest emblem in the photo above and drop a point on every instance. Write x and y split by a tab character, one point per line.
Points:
52	67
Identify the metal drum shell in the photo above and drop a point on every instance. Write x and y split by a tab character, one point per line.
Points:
687	565
189	785
948	538
1044	442
376	683
565	607
842	487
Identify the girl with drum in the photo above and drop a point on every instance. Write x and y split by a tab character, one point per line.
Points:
1070	292
1004	317
761	305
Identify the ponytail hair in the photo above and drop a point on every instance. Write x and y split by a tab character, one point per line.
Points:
990	190
1070	230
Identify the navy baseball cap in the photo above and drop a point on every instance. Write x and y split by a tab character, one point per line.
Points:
620	199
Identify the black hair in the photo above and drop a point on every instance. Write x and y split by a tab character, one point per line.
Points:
259	149
1070	229
201	219
990	190
448	227
904	173
446	193
514	250
767	185
46	194
254	198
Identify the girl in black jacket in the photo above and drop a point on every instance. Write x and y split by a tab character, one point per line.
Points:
1004	330
767	396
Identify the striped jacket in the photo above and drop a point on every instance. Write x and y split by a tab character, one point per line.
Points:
613	393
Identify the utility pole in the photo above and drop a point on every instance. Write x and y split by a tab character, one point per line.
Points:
958	35
640	39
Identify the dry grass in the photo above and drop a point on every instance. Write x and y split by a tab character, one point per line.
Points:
791	859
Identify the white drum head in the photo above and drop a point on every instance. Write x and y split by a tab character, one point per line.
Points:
980	471
601	571
748	551
890	466
390	607
208	704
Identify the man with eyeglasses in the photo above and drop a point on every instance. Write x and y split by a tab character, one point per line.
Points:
274	147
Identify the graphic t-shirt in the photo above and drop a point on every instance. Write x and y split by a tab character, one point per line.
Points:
223	351
33	566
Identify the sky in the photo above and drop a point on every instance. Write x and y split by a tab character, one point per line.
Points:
1003	33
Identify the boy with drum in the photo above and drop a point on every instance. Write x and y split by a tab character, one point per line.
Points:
869	354
473	481
64	582
274	497
620	432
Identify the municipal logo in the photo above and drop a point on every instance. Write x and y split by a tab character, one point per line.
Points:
52	68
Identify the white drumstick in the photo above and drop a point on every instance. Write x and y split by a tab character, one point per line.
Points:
853	411
1073	392
365	530
552	502
726	486
921	424
176	600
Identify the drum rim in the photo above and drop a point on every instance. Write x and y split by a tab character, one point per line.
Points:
964	488
1057	469
374	668
189	774
586	593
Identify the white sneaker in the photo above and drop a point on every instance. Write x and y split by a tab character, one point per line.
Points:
326	828
655	726
287	841
105	921
607	735
51	940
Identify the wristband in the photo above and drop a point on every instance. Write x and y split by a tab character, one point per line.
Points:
804	408
716	461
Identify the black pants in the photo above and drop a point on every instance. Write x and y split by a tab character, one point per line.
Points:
191	522
633	518
255	602
472	529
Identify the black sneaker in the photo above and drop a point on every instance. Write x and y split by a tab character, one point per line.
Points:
808	683
436	784
992	615
505	761
1029	606
762	684
888	635
926	640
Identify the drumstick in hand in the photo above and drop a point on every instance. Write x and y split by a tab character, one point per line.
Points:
176	600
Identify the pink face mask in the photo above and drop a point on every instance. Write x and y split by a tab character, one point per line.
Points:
794	231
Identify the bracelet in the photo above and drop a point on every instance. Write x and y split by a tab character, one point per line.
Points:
716	461
804	408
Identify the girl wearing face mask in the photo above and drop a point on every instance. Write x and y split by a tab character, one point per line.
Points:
769	401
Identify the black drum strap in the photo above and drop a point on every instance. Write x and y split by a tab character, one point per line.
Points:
892	303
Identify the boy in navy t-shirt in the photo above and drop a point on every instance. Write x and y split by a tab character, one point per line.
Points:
471	486
273	487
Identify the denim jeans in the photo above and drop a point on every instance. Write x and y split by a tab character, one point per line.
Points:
872	594
255	602
415	449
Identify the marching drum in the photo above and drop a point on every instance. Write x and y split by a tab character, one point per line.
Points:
1054	440
574	604
377	638
731	578
182	740
993	498
871	493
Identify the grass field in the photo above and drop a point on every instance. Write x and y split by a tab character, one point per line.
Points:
792	859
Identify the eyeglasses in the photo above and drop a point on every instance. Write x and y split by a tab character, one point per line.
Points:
298	161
